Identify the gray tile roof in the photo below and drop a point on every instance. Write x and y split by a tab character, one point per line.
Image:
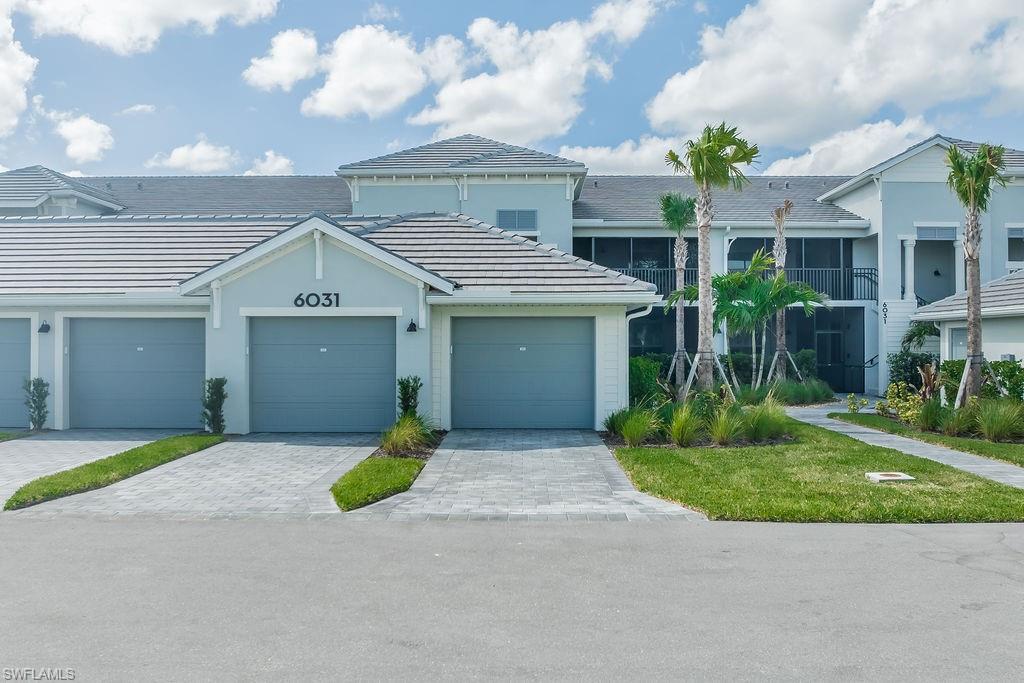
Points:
32	183
999	293
619	198
1014	158
122	254
466	152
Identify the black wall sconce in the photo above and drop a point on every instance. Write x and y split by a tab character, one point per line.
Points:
412	326
44	328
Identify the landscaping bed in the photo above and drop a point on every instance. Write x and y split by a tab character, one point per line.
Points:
1011	452
817	477
109	470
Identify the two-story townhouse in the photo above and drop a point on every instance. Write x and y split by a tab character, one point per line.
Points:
511	281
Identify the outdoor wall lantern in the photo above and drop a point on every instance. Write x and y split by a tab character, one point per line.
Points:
44	328
412	326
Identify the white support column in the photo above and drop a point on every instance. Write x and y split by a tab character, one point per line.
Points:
215	291
908	268
959	272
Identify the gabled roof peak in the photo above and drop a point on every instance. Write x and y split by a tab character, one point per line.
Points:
31	185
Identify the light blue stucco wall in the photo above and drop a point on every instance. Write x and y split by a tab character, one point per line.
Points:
275	284
388	199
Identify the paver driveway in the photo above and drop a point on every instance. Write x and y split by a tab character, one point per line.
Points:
523	474
254	474
23	460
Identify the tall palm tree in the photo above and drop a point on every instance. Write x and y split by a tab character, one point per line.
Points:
715	159
971	179
678	213
779	216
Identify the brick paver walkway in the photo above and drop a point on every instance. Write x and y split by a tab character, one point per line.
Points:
1002	472
23	460
251	475
521	475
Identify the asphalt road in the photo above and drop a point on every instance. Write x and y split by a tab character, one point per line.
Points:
232	599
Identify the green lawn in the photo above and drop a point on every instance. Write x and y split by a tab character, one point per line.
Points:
374	479
819	477
100	473
7	436
1008	452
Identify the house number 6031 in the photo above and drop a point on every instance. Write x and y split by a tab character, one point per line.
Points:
314	299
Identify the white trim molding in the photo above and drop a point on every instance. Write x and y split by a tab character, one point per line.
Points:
310	312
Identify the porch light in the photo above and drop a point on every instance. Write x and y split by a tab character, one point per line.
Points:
44	328
412	326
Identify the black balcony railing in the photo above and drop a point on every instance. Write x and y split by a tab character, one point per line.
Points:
840	284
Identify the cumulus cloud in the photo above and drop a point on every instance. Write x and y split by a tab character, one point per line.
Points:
292	57
138	109
87	139
646	156
271	163
851	151
790	72
535	87
16	69
3	168
127	26
380	13
199	157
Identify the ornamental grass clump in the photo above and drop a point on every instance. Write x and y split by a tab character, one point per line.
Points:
411	433
1000	420
639	425
614	421
960	421
766	421
685	425
931	416
727	425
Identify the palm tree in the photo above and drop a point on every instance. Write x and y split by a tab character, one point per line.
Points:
772	297
715	159
779	216
971	179
677	212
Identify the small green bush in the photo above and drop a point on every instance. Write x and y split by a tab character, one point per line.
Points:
214	395
749	396
960	421
37	390
613	422
727	425
685	426
639	425
742	362
931	415
766	420
903	366
409	395
411	433
705	404
1010	374
854	404
903	400
1000	420
807	361
643	380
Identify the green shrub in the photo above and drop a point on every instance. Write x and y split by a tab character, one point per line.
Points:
1000	420
37	390
643	380
749	396
639	425
1010	374
766	420
742	362
807	361
904	401
411	433
409	395
726	425
685	425
705	404
854	404
959	422
793	393
214	395
931	415
613	422
903	366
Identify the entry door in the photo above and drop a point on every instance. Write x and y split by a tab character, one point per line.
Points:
330	374
15	359
523	372
137	372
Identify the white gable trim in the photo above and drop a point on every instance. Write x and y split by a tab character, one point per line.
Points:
857	181
302	232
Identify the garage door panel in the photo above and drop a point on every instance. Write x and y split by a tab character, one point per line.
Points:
15	359
322	374
137	372
523	372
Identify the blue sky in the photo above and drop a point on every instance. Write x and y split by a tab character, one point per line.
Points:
824	88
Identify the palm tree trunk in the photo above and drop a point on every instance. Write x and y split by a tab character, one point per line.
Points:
972	248
780	345
764	352
680	263
705	305
729	361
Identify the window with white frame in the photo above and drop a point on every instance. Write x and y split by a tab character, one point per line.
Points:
958	343
1015	244
518	220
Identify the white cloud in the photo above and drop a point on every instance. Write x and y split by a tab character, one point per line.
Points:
87	139
292	57
394	145
535	88
370	70
700	7
379	12
138	109
271	163
200	157
789	72
852	151
75	174
630	157
16	69
3	168
130	26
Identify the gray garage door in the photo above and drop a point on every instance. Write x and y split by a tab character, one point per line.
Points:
137	372
14	369
523	372
322	374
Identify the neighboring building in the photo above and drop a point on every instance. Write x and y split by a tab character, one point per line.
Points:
511	281
1002	316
